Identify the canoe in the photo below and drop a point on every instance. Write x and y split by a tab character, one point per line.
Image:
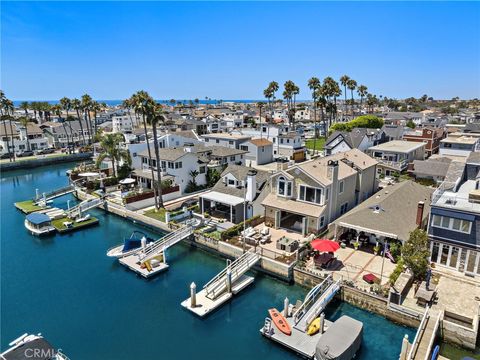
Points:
280	322
314	327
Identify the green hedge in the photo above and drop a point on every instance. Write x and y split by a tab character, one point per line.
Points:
237	229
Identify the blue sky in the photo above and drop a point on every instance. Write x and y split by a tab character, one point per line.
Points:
227	50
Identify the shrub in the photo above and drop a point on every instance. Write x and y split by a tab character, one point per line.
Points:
396	272
415	253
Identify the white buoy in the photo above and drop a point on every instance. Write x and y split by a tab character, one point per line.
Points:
229	280
68	204
165	256
193	295
37	194
143	241
322	322
405	346
286	302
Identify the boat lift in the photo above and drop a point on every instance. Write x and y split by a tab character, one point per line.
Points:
151	259
223	286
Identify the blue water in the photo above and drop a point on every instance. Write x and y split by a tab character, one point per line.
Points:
93	308
184	101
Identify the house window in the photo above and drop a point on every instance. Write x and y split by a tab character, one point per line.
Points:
322	221
231	182
231	142
217	141
202	170
164	164
232	158
178	165
453	224
207	140
340	187
343	208
170	165
284	187
310	194
244	147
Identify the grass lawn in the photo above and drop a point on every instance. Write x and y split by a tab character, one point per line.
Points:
58	224
27	206
320	143
157	215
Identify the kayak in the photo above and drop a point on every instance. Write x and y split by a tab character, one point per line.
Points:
314	327
280	321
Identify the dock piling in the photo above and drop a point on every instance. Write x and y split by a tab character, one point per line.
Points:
322	323
37	194
193	295
229	280
286	303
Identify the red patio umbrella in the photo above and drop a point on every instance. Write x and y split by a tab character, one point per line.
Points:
325	245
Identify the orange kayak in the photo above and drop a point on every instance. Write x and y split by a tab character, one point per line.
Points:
280	322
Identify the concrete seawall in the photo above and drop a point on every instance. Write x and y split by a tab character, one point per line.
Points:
33	163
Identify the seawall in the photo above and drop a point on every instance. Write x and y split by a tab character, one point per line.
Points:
49	160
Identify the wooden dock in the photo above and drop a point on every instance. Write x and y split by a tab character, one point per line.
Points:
133	263
206	305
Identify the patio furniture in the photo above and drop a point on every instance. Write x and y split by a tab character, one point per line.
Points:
265	231
371	279
323	260
286	244
325	245
265	239
423	295
249	232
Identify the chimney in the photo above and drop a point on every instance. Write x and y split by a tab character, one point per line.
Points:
251	185
332	170
188	147
420	207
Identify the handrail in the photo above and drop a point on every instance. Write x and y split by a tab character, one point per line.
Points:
237	261
163	243
61	190
321	305
421	329
311	296
432	339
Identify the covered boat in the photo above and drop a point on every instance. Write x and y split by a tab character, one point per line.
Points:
32	347
130	245
341	341
39	224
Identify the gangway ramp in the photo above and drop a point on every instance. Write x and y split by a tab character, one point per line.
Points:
151	259
54	194
425	336
315	302
85	205
223	286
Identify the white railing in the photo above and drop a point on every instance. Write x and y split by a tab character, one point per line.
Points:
418	335
163	243
315	293
432	338
84	206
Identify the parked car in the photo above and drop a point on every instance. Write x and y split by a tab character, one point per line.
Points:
25	153
46	151
5	156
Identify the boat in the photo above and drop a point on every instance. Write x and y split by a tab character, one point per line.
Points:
314	327
32	347
280	321
39	224
341	341
130	245
82	219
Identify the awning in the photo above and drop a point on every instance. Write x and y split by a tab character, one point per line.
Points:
364	229
38	218
223	198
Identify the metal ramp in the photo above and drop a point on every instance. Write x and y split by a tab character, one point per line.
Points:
220	283
425	336
315	302
165	242
86	205
54	194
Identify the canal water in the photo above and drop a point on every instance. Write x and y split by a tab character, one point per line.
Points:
93	308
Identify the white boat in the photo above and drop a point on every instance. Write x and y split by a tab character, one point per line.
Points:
39	224
131	245
32	347
83	218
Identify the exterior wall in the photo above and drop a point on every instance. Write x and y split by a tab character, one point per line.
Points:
260	154
460	335
455	152
134	150
347	196
366	184
340	147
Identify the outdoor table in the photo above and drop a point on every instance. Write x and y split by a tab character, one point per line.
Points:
423	295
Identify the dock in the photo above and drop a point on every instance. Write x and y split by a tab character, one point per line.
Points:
58	224
301	317
422	345
230	281
152	260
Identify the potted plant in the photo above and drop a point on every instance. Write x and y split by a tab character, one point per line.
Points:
356	245
376	249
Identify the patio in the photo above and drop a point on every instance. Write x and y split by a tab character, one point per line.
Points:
276	235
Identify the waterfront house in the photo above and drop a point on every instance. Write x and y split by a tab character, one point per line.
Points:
60	135
394	156
392	132
239	191
459	145
306	197
436	169
225	139
16	137
430	136
219	156
358	138
454	224
391	214
123	124
260	151
176	164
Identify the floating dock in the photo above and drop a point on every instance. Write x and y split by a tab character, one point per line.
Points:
58	224
152	260
230	281
300	319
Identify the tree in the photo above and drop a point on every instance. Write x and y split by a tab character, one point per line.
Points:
362	92
260	106
269	94
192	184
141	101
290	95
213	175
110	144
364	121
344	81
411	124
77	105
25	121
352	85
415	253
314	85
86	104
5	109
24	105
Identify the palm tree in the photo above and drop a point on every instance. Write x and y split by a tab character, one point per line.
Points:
344	81
86	104
313	85
95	107
351	85
25	121
4	108
77	105
269	94
141	101
8	109
289	94
24	106
156	115
110	144
362	92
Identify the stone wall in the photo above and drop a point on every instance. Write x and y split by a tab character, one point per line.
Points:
460	335
364	300
33	163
